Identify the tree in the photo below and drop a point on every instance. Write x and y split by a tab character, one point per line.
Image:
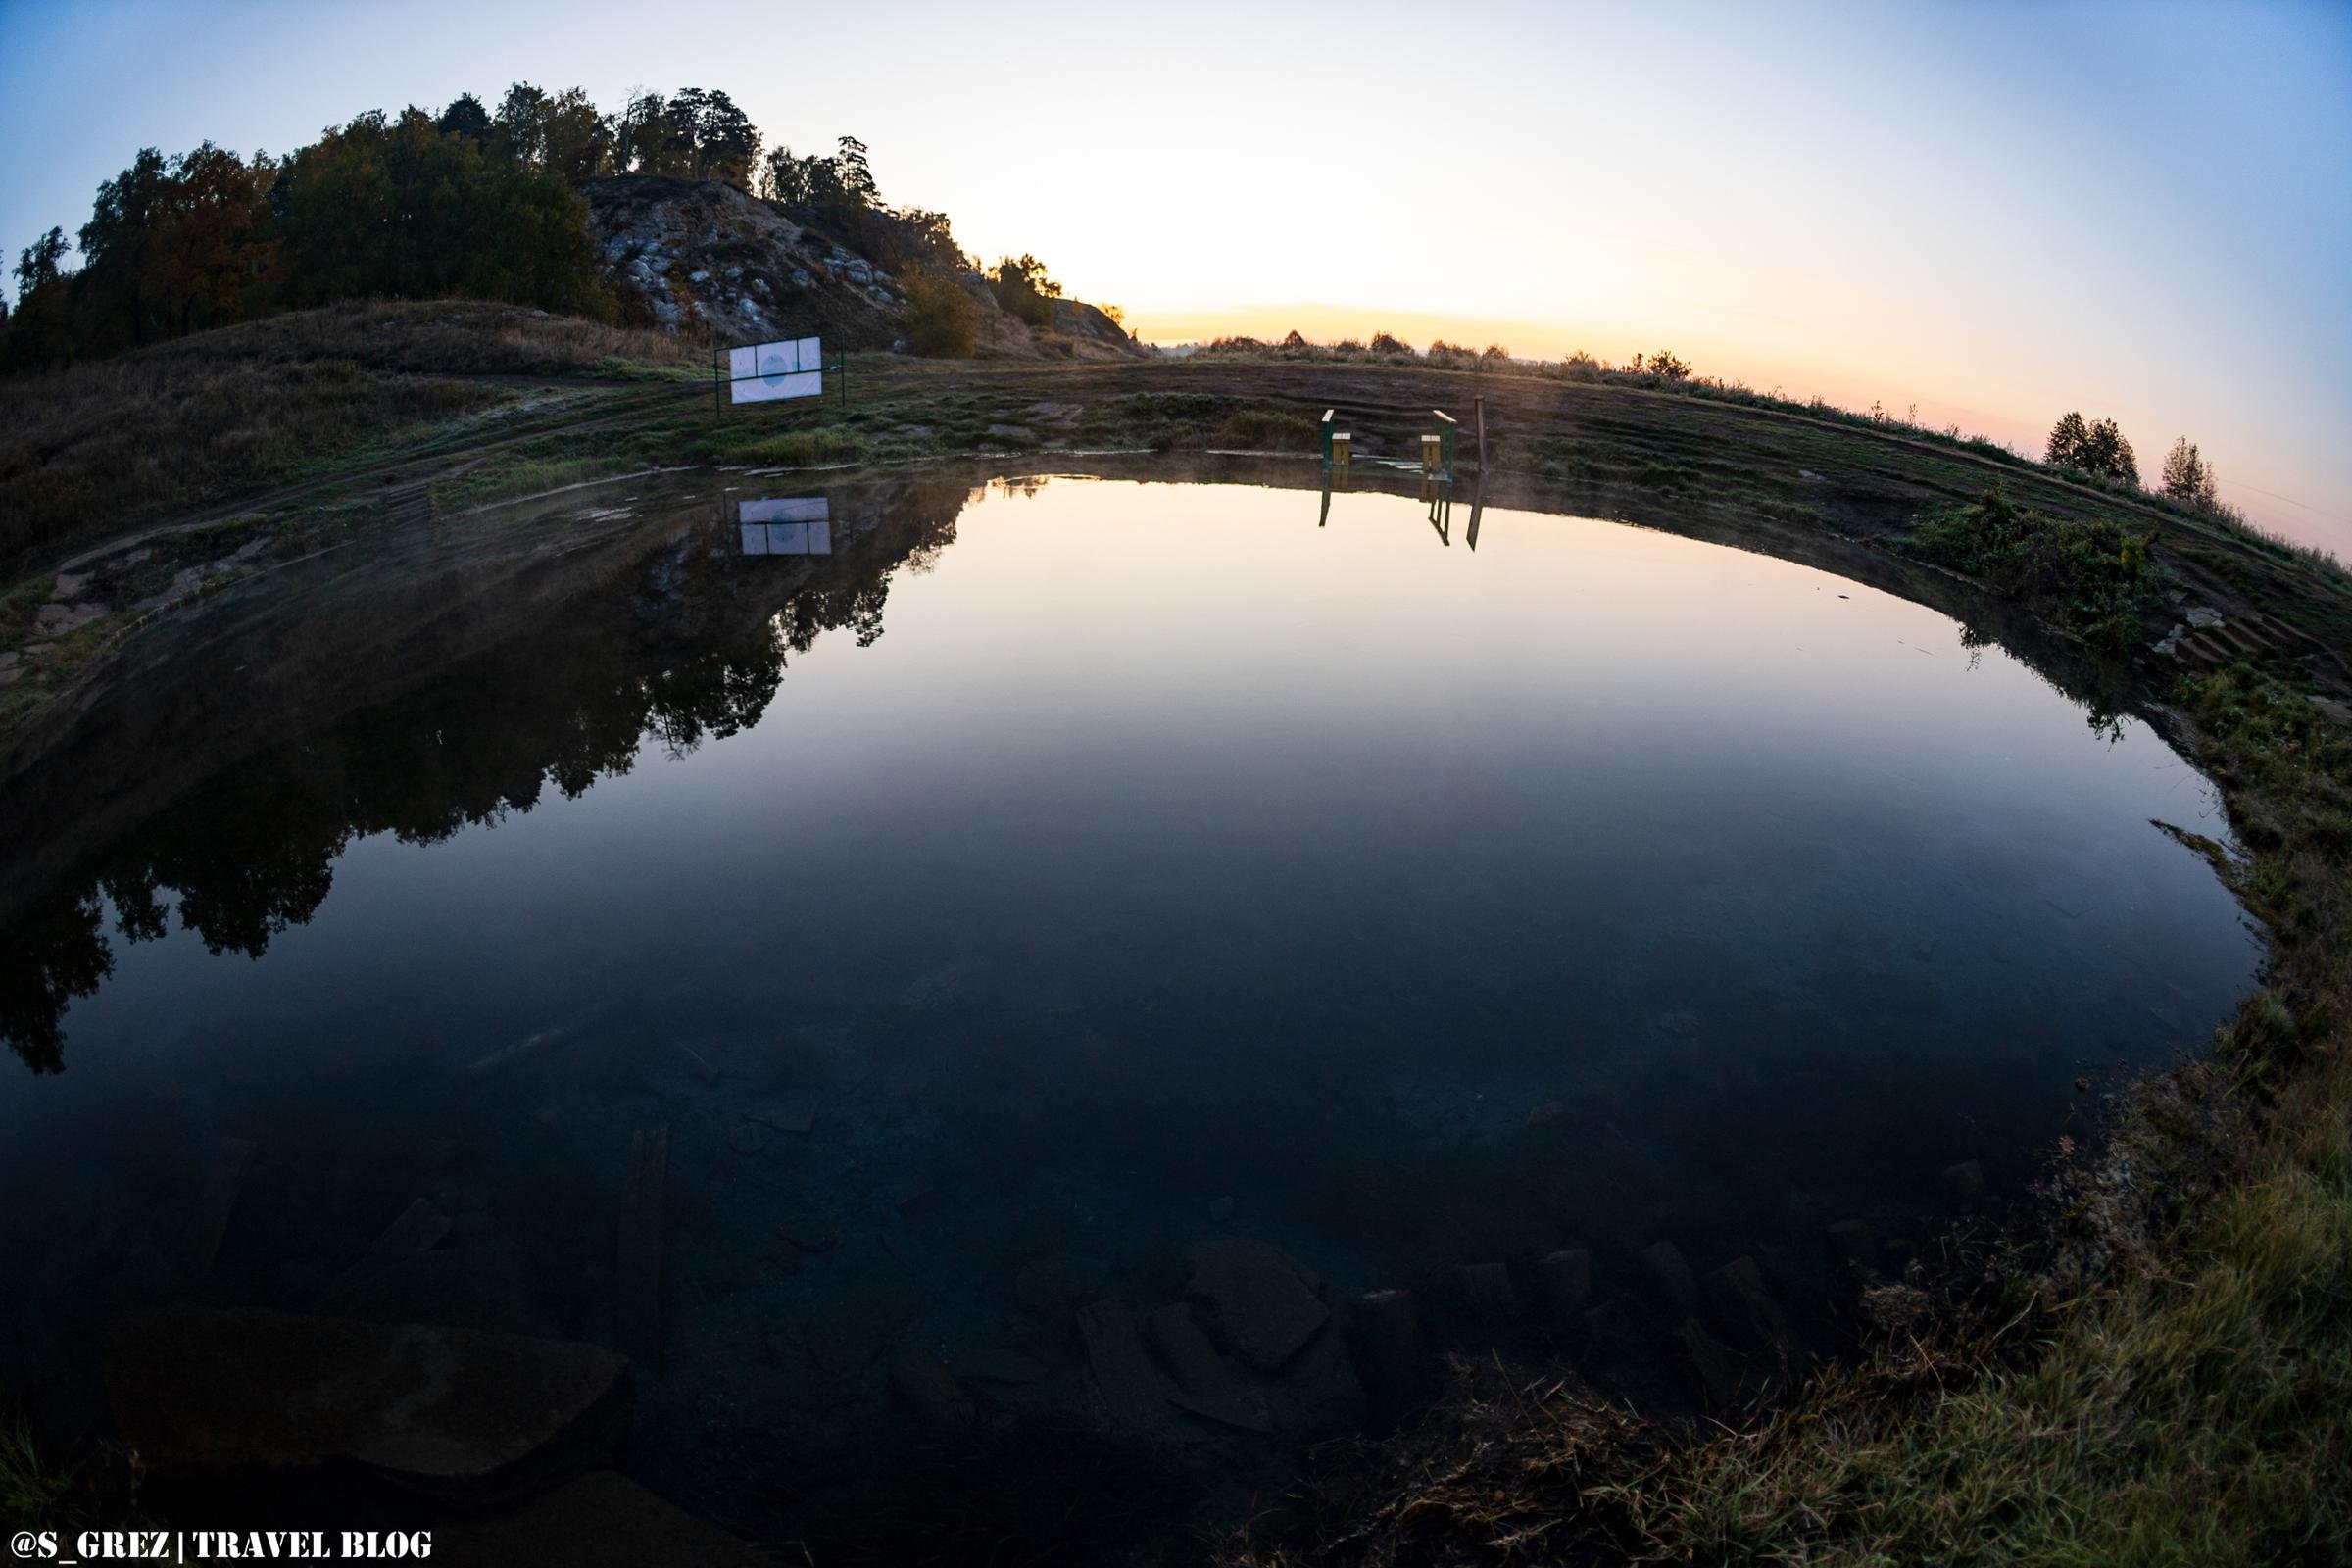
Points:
465	118
2188	477
2067	440
174	246
2106	455
650	138
397	208
115	247
520	129
783	179
856	178
724	143
38	336
576	140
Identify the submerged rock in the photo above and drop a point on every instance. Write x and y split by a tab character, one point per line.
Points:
1851	1242
1266	1302
1708	1363
462	1414
1059	1283
1563	1284
1671	1277
1744	1302
930	1389
1488	1294
1963	1184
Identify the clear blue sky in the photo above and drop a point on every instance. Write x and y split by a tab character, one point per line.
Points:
1995	211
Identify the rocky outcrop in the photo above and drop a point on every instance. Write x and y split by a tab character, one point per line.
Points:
701	255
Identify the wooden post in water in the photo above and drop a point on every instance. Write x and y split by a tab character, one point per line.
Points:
1478	406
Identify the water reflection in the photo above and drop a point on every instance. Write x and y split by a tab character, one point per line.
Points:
665	646
1167	874
798	526
1436	494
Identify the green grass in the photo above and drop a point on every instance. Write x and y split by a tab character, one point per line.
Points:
34	1493
799	449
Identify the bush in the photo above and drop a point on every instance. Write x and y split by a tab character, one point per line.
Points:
941	321
1024	291
2092	578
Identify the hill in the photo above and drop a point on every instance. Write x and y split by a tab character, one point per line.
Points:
699	256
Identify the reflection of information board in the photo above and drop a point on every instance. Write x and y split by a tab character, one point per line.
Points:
801	525
764	372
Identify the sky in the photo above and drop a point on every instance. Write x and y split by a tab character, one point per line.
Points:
1992	212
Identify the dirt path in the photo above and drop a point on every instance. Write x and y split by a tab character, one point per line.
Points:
407	473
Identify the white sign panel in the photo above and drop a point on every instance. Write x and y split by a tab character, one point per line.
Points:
800	526
764	372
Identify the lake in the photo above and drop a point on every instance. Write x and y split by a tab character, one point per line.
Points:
996	890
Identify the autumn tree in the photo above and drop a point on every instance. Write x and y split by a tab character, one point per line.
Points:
174	246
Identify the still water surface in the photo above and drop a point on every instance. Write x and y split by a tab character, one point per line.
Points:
982	904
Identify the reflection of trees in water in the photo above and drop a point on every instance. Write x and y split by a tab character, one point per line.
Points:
2090	685
693	649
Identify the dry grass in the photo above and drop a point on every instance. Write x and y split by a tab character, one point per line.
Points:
92	450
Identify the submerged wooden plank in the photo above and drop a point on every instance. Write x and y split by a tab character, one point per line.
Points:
528	1044
209	1225
637	1303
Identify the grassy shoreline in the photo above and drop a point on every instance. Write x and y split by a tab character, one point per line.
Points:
2159	1369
